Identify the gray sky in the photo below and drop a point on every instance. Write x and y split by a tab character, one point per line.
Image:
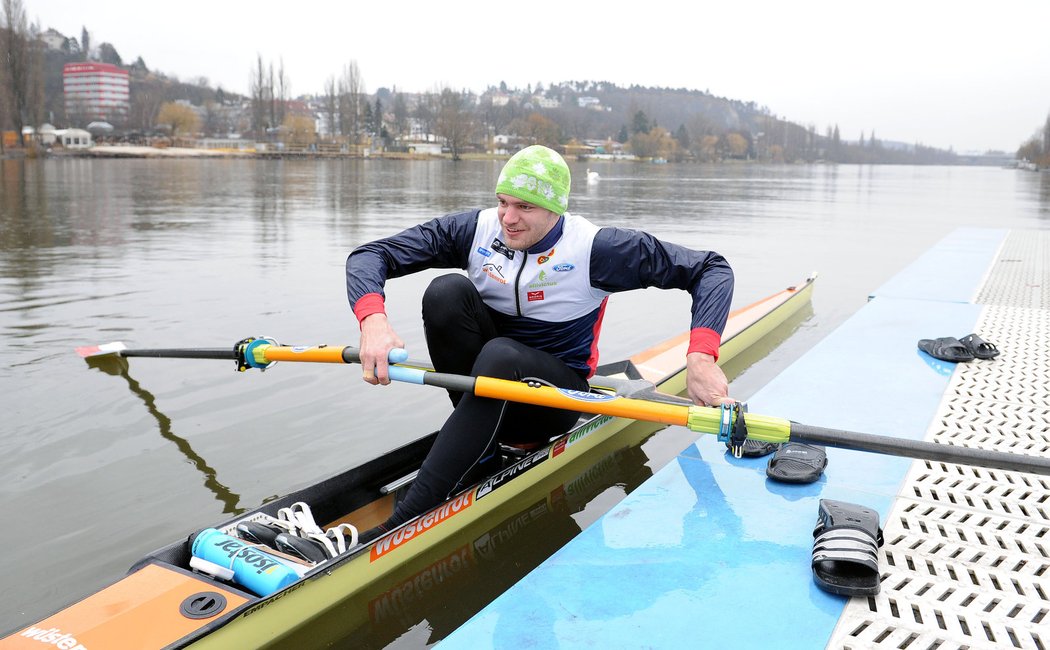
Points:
963	74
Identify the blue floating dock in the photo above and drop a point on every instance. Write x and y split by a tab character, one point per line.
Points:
710	553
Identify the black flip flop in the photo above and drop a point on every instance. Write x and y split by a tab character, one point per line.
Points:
795	462
846	545
978	347
946	348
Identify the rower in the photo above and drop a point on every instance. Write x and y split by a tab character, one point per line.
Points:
529	305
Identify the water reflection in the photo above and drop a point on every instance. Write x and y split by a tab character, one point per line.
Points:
118	367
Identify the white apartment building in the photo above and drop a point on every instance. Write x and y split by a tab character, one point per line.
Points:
95	91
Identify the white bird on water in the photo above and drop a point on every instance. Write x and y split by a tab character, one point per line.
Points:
593	177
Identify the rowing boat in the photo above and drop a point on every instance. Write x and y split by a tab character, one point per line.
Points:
164	602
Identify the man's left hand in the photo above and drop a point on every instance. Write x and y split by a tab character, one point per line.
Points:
705	381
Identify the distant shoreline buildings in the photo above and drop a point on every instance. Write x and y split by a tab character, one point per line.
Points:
96	91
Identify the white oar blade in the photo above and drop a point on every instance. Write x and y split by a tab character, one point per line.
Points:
99	350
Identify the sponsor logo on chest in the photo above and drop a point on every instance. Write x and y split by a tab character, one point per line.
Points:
542	280
494	271
500	247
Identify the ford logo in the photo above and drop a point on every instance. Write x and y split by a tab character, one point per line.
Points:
561	268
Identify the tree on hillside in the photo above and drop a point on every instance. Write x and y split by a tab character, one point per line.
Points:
108	54
426	113
681	136
260	93
536	129
1031	150
299	129
376	127
146	100
735	145
654	143
1046	141
640	123
21	82
400	111
351	98
454	121
331	107
85	43
283	92
178	118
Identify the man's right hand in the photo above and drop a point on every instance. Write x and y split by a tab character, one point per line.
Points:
378	338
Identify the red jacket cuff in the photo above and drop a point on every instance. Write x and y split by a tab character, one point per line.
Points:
704	340
370	303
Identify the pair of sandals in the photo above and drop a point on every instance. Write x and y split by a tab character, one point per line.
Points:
968	348
846	537
295	532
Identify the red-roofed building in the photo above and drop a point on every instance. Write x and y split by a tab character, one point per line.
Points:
95	91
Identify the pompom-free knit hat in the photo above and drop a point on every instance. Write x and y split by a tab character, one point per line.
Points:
539	176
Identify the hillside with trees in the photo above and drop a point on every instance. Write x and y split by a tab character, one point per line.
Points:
580	117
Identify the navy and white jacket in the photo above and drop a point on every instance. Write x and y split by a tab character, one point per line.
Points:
552	296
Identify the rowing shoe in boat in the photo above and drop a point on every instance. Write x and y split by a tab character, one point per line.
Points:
174	598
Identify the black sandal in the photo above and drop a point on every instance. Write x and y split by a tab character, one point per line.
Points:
978	347
795	462
946	348
846	545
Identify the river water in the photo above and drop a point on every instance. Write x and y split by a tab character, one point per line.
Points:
97	469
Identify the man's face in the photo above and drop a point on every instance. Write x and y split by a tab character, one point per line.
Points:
524	224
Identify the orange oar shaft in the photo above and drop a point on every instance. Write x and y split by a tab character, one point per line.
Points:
573	400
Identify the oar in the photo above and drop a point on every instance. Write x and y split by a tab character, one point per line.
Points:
252	352
261	353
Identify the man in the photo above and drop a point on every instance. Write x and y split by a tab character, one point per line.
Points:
530	305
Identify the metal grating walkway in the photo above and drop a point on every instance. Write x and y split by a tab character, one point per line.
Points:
967	557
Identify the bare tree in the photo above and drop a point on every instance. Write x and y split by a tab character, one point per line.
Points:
426	113
272	97
400	111
284	88
1046	141
455	122
17	66
258	90
178	118
351	90
146	100
331	107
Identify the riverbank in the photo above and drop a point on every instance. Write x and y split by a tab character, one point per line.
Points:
125	151
137	151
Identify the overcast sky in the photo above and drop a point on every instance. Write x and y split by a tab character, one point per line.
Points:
962	74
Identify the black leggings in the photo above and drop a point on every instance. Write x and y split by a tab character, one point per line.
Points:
462	339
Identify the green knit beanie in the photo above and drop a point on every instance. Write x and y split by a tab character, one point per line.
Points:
537	175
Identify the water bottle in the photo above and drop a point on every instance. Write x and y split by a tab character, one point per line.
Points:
253	568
